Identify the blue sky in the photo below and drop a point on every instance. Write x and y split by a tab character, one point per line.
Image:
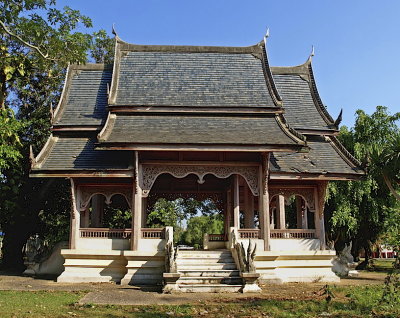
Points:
357	42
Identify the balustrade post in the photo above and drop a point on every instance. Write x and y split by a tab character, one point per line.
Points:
280	208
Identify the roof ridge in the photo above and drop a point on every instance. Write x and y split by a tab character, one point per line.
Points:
343	152
274	93
90	66
317	99
281	120
126	46
44	152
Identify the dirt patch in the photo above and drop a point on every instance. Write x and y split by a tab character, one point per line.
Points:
110	293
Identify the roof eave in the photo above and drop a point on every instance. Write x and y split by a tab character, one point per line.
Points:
109	173
200	147
331	176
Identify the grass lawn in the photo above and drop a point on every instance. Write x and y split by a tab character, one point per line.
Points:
382	264
349	301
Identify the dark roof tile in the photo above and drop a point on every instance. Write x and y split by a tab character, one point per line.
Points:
198	130
192	79
86	102
322	158
79	154
301	112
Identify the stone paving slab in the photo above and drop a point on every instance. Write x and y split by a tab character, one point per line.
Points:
132	296
111	293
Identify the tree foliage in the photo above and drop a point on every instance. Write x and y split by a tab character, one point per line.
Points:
37	42
197	226
199	217
359	210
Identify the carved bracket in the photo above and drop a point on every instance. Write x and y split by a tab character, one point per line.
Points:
306	193
151	172
88	192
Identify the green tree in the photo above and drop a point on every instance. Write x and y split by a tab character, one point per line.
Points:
199	225
358	210
37	42
179	211
102	48
387	163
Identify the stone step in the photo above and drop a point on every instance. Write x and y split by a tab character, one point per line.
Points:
212	288
210	266
189	261
204	255
209	273
210	280
222	250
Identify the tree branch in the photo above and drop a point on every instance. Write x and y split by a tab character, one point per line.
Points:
390	186
27	44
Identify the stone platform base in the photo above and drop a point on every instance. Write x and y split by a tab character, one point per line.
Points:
144	268
302	266
126	267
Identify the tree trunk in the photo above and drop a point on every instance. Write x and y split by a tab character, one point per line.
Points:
23	225
13	243
365	263
390	186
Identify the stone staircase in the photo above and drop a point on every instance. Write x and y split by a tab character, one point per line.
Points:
208	272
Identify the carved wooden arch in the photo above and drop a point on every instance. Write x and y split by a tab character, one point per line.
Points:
306	193
88	192
151	172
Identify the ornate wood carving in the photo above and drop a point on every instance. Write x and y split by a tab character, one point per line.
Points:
88	192
306	193
151	172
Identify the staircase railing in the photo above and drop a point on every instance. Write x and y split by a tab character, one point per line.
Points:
171	274
245	260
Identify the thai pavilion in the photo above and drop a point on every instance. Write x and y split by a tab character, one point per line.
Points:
202	122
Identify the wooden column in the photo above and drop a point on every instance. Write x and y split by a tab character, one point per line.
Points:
226	214
248	208
144	212
137	205
229	209
97	210
299	212
85	218
236	207
304	219
301	209
319	215
264	201
75	217
280	209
